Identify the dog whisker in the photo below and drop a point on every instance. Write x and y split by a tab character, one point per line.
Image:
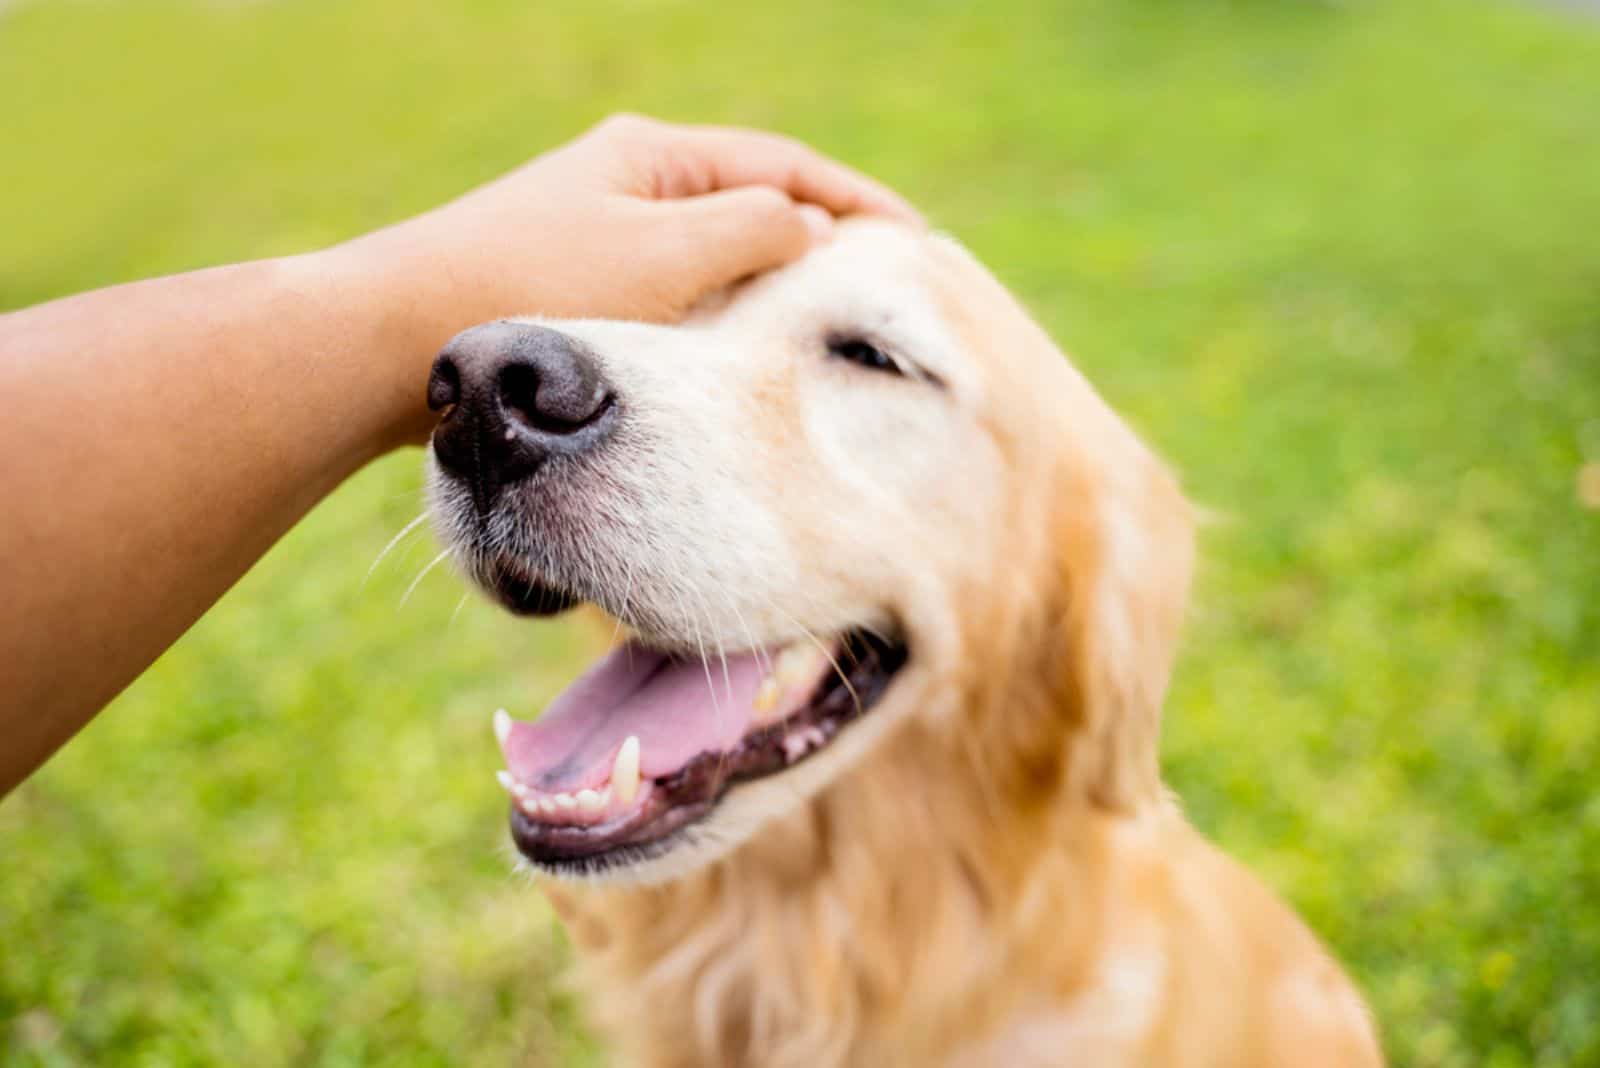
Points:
622	605
435	562
387	549
811	636
942	582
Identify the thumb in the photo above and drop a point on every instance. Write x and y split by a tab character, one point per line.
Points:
734	233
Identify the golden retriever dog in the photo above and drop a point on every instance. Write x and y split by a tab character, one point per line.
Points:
873	779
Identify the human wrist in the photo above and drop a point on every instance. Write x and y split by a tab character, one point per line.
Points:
387	329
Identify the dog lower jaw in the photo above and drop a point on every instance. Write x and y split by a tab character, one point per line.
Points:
522	593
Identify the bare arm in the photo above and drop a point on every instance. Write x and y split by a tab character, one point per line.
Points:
158	437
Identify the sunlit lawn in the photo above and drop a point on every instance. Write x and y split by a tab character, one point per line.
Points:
1340	262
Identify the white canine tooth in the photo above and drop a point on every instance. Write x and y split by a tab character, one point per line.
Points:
796	663
502	725
767	696
547	806
625	770
589	802
506	781
565	801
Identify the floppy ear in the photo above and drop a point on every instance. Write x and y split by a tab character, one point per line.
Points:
1127	542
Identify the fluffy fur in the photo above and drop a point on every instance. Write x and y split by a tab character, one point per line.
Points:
990	873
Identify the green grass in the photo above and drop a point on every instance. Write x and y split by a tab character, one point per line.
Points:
1340	262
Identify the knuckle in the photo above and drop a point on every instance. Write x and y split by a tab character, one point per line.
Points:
770	210
792	147
768	202
792	154
625	124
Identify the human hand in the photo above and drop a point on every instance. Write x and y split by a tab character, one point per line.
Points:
226	402
636	219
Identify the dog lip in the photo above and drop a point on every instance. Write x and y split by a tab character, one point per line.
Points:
557	844
525	595
693	791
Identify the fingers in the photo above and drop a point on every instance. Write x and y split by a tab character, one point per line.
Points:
691	161
733	233
732	157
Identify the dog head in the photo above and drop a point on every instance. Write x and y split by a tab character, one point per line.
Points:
858	496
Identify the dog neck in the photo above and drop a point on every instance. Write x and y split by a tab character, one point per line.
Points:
913	892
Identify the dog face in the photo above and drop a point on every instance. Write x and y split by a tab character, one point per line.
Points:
859	491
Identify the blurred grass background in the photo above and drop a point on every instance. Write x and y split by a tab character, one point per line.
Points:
1340	262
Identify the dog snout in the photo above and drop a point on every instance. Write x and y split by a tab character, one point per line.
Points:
513	396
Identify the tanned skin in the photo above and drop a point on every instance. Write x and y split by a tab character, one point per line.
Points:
160	436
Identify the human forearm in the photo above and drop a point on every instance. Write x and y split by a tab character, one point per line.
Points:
160	437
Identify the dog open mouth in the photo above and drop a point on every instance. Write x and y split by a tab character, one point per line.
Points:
646	743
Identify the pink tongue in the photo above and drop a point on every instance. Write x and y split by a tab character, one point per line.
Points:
670	704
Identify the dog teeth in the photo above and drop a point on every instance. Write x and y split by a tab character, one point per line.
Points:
589	805
625	770
502	726
512	786
803	742
795	666
798	663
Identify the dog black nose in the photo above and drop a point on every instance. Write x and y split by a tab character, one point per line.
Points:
513	396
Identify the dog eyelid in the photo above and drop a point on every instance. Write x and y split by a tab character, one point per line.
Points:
876	356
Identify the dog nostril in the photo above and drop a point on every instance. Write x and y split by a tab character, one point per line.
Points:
511	396
559	397
444	384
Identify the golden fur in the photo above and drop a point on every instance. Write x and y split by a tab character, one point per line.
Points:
1009	885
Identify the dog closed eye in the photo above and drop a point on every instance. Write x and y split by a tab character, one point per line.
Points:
874	356
860	351
893	681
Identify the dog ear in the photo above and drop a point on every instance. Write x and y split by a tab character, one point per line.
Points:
1127	543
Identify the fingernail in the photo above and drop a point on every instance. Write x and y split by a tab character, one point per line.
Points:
818	222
